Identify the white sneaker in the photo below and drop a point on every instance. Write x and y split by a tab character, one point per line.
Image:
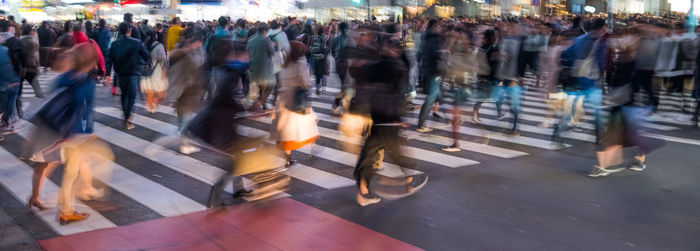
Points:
424	129
364	200
189	149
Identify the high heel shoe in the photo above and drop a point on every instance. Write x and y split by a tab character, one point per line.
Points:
34	202
64	219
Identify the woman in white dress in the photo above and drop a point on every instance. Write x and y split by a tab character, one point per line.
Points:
155	85
296	123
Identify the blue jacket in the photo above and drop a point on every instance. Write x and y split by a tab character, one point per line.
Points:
83	99
103	38
580	49
7	73
127	55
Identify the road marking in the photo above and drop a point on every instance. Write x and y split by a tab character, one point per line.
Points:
160	199
16	178
299	171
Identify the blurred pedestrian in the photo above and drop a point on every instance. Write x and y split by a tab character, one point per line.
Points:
155	84
128	55
262	75
174	33
319	52
430	57
295	120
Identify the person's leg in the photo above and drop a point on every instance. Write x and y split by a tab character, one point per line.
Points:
432	86
595	98
18	100
149	100
319	79
73	158
41	171
696	115
9	104
497	92
368	156
514	91
133	89
124	87
646	84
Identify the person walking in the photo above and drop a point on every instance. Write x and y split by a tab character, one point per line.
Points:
295	120
341	64
186	81
18	58
155	84
319	53
127	55
379	95
31	46
262	75
173	33
430	57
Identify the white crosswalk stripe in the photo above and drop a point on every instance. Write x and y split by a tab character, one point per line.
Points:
163	199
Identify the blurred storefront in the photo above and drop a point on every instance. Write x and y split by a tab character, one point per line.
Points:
325	10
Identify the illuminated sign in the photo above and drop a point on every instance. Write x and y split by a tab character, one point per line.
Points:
357	1
589	9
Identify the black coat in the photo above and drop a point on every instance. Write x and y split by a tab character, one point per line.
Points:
127	55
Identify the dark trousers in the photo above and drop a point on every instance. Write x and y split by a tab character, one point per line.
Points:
8	98
129	86
384	138
643	81
319	82
265	91
529	58
34	82
341	94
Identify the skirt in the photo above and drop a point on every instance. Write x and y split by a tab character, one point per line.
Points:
157	82
295	130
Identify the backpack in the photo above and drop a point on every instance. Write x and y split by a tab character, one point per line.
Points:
277	47
148	68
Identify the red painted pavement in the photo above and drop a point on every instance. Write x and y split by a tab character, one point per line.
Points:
283	224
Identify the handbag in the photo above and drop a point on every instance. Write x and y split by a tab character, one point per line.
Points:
586	68
57	115
300	101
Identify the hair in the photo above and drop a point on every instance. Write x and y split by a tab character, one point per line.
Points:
176	20
78	27
343	26
4	25
145	21
88	26
153	37
102	24
490	36
223	21
11	18
240	23
124	28
128	17
296	51
26	29
597	24
274	25
66	26
320	30
83	56
262	27
431	24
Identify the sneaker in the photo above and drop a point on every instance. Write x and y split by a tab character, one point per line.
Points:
437	115
242	193
337	111
129	125
189	149
599	172
501	116
423	129
577	129
476	119
417	183
637	166
452	148
367	199
513	133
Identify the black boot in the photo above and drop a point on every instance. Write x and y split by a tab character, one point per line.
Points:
290	161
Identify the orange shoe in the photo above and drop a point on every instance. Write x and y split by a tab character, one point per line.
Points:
72	217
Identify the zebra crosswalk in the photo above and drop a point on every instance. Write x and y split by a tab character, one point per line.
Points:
150	174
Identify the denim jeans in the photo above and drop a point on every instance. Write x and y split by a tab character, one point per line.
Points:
432	90
130	88
514	92
9	100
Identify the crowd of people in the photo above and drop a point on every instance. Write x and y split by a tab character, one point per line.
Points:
217	74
